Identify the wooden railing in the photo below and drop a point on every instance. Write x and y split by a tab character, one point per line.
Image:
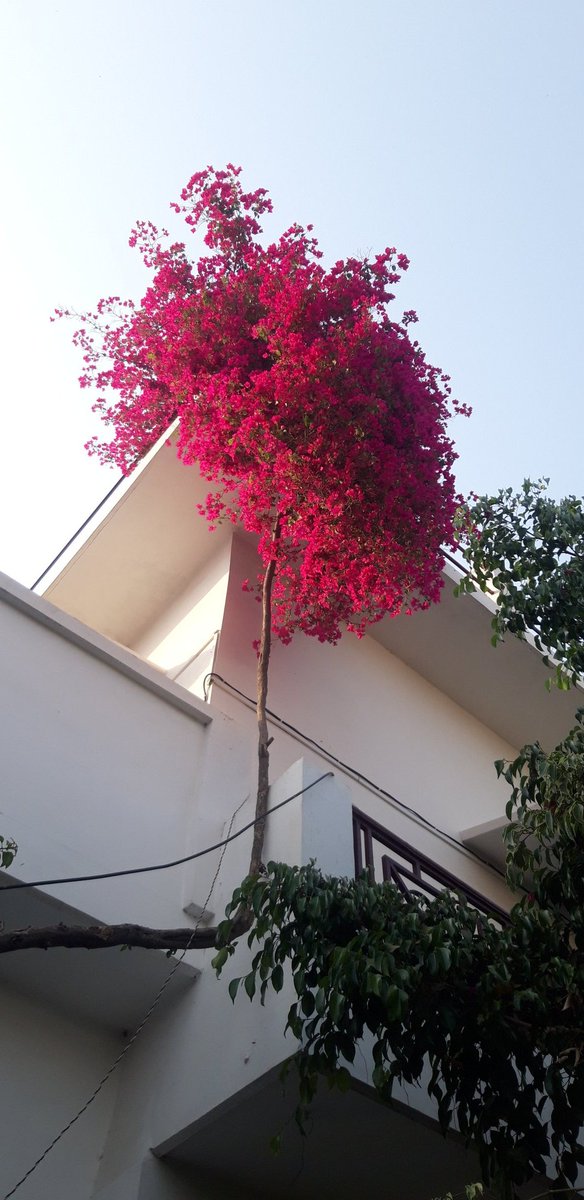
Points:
391	860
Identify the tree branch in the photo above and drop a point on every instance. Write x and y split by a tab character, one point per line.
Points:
100	937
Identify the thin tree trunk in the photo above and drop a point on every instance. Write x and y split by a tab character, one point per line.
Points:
262	695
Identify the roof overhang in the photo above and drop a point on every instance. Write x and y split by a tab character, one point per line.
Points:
356	1146
148	541
503	687
141	549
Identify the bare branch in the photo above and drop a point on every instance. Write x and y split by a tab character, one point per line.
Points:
100	937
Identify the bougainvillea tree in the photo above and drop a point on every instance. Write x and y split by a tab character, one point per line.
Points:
313	413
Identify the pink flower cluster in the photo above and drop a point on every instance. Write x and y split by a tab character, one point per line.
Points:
313	412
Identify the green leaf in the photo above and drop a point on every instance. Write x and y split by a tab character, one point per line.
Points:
443	957
300	981
220	959
307	1004
336	1006
373	983
233	987
394	1002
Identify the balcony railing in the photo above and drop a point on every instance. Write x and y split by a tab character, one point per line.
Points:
390	860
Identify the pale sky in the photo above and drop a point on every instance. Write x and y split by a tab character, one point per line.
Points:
451	129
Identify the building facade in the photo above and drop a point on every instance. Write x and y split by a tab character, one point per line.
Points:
129	739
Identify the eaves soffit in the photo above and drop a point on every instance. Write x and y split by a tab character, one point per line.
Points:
141	551
148	542
503	687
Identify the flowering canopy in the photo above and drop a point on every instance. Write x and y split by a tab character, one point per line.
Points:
314	414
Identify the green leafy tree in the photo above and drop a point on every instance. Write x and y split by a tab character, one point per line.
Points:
495	1010
530	549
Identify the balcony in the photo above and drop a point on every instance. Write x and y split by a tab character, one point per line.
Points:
391	860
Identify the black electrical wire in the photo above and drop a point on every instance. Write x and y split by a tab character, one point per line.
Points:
145	1019
77	532
177	862
358	775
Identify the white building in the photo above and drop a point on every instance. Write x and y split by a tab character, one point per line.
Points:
116	753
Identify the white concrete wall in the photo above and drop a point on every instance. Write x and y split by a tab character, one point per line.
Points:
99	772
182	641
103	773
362	705
155	1180
210	1049
356	700
49	1068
